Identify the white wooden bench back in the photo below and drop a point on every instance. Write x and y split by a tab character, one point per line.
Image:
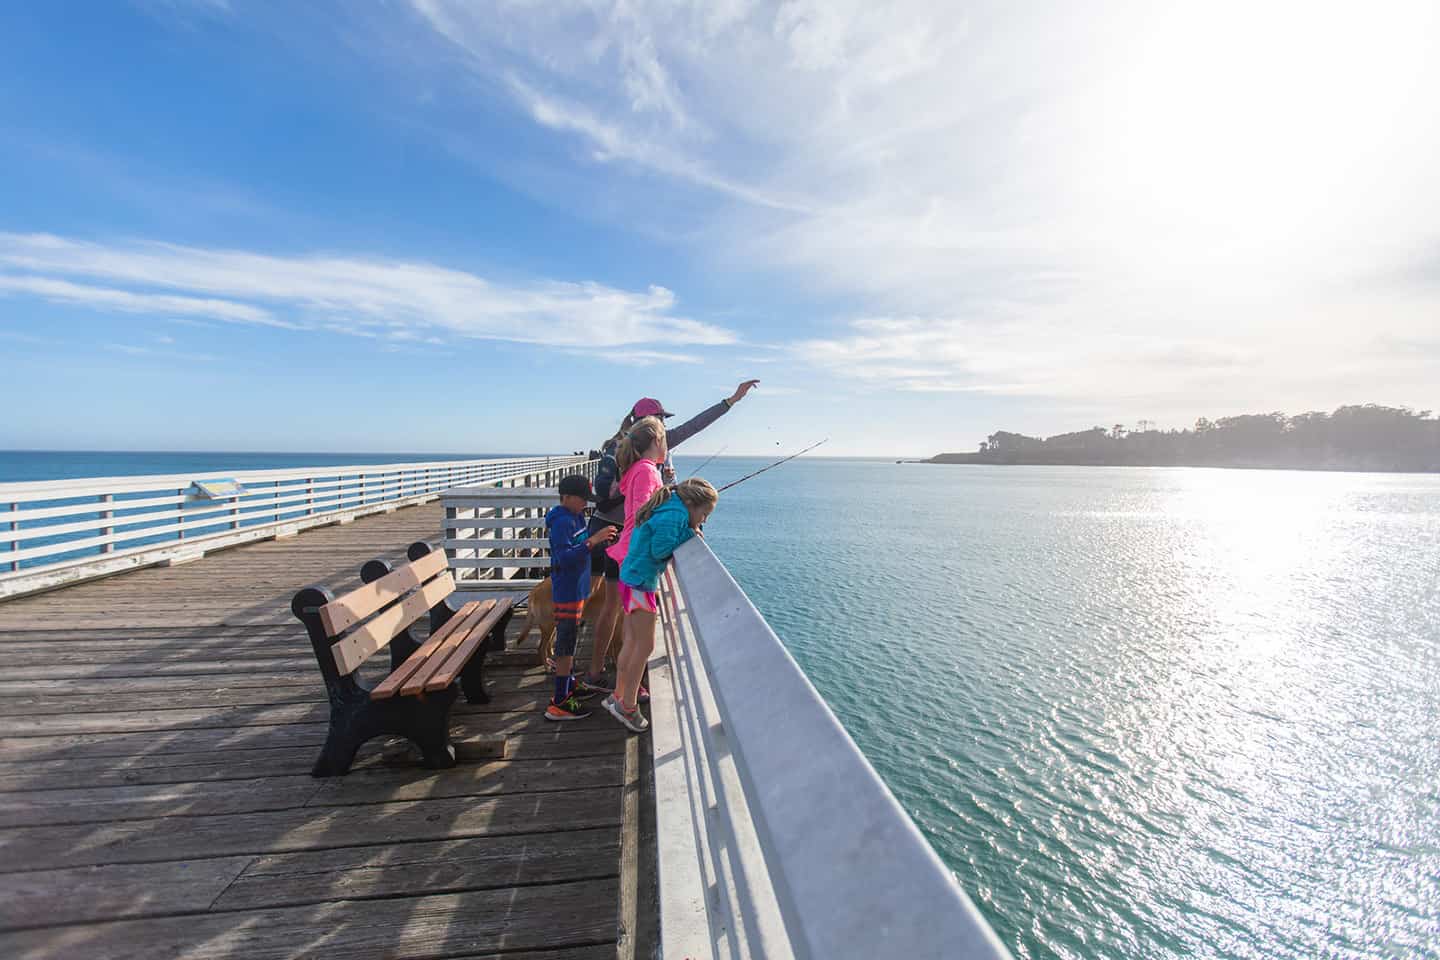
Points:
375	613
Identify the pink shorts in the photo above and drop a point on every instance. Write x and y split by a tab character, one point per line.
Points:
632	599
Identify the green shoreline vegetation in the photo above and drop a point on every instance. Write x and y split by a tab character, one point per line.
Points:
1357	437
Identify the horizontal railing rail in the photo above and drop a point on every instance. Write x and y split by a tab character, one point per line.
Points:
495	538
775	836
54	532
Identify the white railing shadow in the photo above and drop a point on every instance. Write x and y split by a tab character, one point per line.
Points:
775	836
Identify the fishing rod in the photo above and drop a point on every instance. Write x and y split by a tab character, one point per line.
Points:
771	466
707	462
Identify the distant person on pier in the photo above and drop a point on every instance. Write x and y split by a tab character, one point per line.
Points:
610	508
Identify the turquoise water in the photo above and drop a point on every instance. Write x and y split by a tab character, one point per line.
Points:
1140	712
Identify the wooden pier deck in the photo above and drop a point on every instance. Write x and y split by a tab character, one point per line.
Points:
156	735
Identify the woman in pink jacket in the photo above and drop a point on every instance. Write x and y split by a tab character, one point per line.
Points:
639	455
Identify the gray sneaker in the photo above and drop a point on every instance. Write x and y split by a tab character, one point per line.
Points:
632	720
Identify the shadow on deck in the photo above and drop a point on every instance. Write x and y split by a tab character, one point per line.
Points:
156	734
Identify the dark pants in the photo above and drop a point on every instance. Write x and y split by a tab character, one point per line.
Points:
567	626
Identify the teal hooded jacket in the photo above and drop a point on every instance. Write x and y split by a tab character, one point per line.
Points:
653	542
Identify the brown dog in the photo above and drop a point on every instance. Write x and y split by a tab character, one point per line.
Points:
540	615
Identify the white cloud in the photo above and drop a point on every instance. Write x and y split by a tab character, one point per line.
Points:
1161	202
366	297
135	350
642	358
610	142
63	291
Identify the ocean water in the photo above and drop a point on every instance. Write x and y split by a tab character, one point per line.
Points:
1140	712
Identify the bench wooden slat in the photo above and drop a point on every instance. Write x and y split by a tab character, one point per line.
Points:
355	649
345	612
391	685
415	683
445	673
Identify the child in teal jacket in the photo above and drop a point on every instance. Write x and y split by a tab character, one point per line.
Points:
665	522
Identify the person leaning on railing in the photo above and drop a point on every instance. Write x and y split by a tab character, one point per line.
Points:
664	523
610	509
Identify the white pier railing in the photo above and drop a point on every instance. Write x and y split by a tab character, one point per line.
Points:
61	531
495	536
775	837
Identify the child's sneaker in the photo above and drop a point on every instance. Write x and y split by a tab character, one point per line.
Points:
584	691
632	720
643	696
598	681
564	712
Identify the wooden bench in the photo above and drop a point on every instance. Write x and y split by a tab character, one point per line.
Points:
414	701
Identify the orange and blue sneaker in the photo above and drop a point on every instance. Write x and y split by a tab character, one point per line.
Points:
582	690
571	709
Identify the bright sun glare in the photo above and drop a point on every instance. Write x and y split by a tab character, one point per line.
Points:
1252	130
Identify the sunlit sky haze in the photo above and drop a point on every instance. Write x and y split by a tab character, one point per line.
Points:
244	225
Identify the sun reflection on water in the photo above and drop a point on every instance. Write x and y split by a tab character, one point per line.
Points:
1159	713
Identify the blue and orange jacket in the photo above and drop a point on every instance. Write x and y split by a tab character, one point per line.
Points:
569	556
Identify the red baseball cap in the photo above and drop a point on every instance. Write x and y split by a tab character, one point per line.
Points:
650	407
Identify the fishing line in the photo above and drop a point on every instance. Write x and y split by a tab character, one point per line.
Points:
772	466
707	462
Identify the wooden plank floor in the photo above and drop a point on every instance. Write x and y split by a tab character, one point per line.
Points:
156	734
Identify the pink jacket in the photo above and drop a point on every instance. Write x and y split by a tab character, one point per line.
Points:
638	483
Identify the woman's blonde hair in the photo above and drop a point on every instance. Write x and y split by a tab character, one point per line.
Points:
625	425
694	492
640	438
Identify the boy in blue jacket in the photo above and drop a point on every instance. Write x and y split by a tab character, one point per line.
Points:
570	584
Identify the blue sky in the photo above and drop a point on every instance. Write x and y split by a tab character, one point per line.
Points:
436	225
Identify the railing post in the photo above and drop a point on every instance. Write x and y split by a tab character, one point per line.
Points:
105	531
309	496
276	495
180	518
14	544
235	512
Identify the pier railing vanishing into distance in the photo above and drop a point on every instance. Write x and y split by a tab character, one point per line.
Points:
62	531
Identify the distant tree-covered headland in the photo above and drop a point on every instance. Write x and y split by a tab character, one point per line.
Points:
1360	437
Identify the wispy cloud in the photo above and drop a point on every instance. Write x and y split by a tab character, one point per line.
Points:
140	350
610	142
1068	202
356	295
110	298
643	358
